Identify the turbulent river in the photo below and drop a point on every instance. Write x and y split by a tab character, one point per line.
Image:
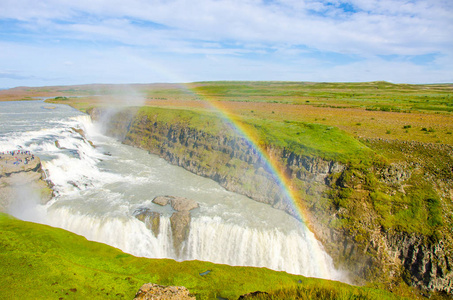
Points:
98	189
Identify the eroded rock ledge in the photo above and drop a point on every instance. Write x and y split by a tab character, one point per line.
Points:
22	175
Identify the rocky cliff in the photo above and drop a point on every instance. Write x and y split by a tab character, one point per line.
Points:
345	204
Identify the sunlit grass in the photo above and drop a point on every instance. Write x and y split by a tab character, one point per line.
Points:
41	262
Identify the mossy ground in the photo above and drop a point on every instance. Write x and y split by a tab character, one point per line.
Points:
42	262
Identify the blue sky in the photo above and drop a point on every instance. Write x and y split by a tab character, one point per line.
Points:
62	42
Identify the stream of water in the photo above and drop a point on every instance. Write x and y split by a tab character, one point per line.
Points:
99	188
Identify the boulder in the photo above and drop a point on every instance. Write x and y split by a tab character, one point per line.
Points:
79	131
162	200
177	203
183	204
57	144
179	221
152	291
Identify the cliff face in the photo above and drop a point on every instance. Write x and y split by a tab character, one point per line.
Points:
335	196
426	262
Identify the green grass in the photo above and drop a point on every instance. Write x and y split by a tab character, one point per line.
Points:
380	107
311	139
208	122
379	95
302	138
42	262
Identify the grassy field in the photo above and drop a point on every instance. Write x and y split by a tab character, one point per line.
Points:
41	262
374	109
371	109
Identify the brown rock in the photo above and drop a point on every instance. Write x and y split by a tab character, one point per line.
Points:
177	203
183	204
180	226
22	178
152	291
150	218
162	200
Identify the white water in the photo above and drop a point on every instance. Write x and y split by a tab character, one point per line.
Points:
99	189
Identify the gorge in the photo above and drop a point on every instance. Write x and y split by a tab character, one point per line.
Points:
101	186
368	250
381	207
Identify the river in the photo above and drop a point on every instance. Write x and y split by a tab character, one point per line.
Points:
100	184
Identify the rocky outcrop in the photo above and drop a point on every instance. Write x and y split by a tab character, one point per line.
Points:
180	226
179	220
152	291
428	261
22	176
162	200
150	218
394	174
177	203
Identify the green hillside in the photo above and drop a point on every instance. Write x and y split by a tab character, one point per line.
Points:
42	262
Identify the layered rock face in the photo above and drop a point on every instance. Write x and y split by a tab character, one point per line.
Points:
365	250
426	263
21	175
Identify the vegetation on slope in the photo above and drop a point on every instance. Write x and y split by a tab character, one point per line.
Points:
415	209
302	138
42	262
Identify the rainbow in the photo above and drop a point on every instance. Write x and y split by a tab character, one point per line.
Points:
271	163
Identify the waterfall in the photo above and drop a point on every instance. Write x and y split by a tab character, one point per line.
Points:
100	183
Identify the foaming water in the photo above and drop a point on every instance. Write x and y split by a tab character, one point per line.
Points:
294	251
100	183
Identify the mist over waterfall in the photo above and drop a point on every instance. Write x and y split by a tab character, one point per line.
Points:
100	184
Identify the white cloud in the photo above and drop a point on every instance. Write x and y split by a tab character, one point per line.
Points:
248	32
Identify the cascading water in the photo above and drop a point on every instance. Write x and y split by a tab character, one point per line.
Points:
100	183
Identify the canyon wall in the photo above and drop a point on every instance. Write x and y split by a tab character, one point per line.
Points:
335	197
